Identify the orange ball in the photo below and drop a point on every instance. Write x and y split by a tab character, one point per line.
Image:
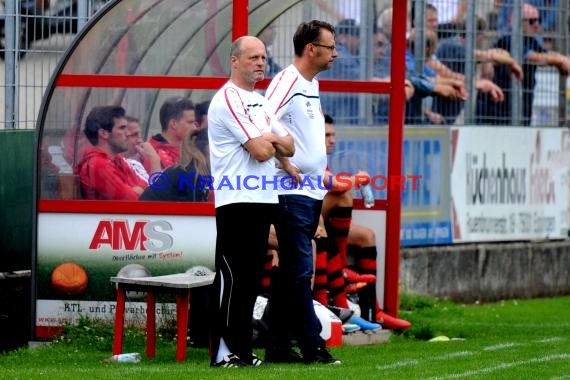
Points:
69	279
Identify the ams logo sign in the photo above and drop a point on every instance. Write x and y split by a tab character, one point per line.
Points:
144	235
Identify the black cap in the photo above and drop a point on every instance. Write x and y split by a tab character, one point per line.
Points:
348	27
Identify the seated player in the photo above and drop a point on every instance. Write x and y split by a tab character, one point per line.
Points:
337	215
177	121
103	172
138	150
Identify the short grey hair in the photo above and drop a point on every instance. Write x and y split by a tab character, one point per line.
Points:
235	50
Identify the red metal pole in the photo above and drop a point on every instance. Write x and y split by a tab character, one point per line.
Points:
240	18
395	141
182	314
150	324
119	320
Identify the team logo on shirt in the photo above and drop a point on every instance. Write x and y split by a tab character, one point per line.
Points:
310	111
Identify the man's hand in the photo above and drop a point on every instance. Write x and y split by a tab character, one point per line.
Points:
361	178
434	117
146	150
552	58
321	231
503	57
292	170
445	91
496	93
562	63
409	89
284	146
459	87
442	88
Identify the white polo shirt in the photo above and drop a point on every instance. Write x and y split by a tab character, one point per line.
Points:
236	116
296	103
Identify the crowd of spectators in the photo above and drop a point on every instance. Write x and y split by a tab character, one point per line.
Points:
436	88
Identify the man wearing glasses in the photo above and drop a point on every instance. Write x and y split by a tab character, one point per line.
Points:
293	95
548	9
533	54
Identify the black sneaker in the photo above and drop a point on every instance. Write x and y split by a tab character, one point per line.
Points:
256	361
342	313
320	355
287	355
230	361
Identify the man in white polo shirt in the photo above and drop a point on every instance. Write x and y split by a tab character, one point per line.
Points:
294	97
244	139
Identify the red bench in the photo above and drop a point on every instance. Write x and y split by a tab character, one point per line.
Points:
180	284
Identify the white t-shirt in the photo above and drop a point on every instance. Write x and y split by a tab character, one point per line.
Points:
296	103
446	9
236	116
138	167
349	9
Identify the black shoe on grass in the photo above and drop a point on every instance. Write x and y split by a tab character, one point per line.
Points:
320	355
282	355
256	361
230	361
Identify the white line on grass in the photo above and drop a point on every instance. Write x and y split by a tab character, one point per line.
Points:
403	363
501	366
561	377
501	346
454	355
549	340
556	325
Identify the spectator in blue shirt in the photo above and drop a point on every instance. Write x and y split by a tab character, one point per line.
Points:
344	107
428	83
534	54
452	53
381	73
548	14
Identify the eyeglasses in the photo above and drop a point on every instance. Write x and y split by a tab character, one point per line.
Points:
532	21
380	44
331	47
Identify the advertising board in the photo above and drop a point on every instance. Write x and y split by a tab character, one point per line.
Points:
78	253
426	216
510	183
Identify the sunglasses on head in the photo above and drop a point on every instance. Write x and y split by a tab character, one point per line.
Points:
532	21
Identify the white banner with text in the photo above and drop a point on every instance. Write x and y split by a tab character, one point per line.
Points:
510	183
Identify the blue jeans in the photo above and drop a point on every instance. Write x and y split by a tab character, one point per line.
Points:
292	313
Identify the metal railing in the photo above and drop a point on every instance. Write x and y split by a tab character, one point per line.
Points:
33	36
538	100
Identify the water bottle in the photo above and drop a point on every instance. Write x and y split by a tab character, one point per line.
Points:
132	357
367	195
